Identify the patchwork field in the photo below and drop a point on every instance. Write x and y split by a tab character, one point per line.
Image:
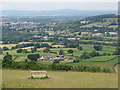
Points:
20	79
7	45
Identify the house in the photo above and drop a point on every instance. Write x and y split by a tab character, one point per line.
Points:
97	35
85	33
113	33
73	38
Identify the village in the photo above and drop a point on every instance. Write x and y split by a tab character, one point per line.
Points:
48	31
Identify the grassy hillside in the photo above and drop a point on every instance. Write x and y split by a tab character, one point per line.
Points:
20	79
102	61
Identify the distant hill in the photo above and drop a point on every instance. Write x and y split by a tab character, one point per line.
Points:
100	22
62	12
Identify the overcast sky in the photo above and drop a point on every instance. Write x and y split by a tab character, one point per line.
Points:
37	5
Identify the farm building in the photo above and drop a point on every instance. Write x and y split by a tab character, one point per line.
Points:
97	35
113	33
54	57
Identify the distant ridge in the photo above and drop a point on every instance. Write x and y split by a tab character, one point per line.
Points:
62	12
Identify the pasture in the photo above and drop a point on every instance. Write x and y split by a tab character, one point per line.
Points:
102	61
76	52
59	79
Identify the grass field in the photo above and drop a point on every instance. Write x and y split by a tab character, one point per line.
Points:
91	62
19	79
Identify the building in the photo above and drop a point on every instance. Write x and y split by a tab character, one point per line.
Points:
97	35
53	57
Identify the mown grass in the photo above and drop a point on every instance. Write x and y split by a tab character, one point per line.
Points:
59	79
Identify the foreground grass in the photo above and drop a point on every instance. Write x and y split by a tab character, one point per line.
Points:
19	79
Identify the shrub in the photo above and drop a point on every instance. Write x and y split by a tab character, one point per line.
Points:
106	70
79	68
93	69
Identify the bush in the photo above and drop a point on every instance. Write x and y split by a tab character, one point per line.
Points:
64	67
93	69
106	54
106	70
79	68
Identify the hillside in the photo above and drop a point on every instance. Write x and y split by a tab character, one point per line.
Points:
106	22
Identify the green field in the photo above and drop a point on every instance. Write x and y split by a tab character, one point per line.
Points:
20	79
102	61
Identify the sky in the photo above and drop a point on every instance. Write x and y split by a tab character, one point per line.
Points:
38	5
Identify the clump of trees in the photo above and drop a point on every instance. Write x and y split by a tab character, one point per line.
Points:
46	50
33	49
7	60
22	51
61	52
5	48
117	51
98	47
87	55
70	51
80	48
33	57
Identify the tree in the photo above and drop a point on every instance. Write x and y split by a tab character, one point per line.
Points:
33	57
37	45
85	55
5	48
70	51
46	50
7	56
33	49
94	53
98	47
44	45
7	60
117	51
61	52
80	48
25	51
19	51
